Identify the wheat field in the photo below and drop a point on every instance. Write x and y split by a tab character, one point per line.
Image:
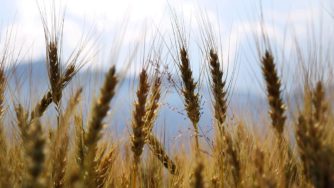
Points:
67	149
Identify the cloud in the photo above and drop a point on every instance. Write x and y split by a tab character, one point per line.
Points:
103	19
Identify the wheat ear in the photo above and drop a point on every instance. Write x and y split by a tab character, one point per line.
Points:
218	90
191	98
3	143
198	179
319	103
99	112
104	168
232	158
34	148
138	122
43	104
315	154
79	141
273	84
54	71
151	113
158	150
22	121
153	105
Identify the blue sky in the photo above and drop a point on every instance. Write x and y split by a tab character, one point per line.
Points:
236	22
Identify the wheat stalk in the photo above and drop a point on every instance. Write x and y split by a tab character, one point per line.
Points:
62	141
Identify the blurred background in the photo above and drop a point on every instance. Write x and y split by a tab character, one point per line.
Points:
123	32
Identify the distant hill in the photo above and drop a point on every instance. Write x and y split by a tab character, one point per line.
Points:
30	82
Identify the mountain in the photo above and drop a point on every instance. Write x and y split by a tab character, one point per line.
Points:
29	82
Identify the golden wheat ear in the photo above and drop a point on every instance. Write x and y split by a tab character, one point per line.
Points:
43	104
320	104
3	142
233	158
218	90
99	111
53	25
22	121
104	168
315	153
53	62
3	83
153	105
191	98
158	150
278	117
34	149
79	141
151	114
198	176
138	122
274	96
101	107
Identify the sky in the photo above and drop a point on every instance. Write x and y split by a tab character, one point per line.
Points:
100	23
